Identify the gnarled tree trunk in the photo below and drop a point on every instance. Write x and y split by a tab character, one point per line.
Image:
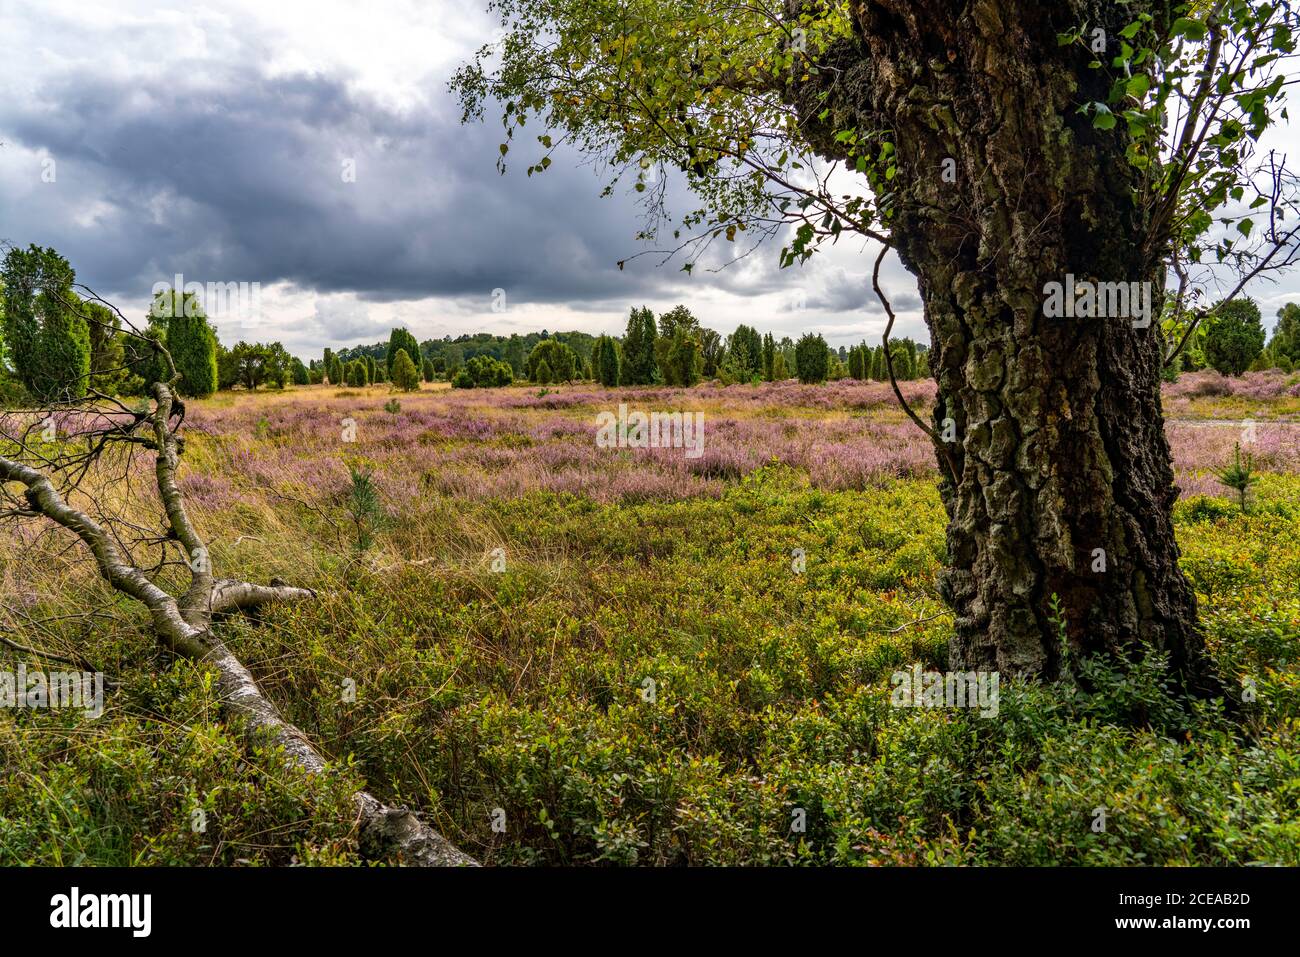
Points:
1063	484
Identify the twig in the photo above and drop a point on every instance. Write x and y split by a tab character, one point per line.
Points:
889	365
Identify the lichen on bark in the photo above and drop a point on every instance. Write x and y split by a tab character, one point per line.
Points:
1060	448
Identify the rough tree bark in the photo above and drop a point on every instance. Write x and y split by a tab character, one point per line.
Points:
1060	447
184	626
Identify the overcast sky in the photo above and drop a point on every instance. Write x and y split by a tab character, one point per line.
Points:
144	140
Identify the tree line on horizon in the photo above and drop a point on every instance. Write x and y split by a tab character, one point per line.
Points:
671	349
57	346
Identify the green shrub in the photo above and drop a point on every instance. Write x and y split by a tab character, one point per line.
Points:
190	339
1234	336
400	340
560	360
811	358
1240	475
483	372
404	374
358	375
364	507
47	339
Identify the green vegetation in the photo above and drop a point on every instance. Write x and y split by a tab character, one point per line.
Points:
639	348
673	349
483	372
1234	336
614	726
252	364
404	374
606	361
189	338
1240	476
47	339
560	361
399	341
1284	347
357	373
811	358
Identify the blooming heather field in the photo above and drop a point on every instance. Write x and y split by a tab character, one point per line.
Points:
573	654
503	443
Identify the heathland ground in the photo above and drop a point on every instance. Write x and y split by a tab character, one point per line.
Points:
565	653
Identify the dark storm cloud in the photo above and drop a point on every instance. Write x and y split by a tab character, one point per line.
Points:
209	166
243	181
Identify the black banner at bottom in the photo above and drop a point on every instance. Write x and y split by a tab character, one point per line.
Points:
302	905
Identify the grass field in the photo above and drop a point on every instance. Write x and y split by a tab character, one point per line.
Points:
563	653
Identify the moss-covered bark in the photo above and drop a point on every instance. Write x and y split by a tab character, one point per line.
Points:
1060	448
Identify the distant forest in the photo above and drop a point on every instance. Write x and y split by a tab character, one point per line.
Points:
448	354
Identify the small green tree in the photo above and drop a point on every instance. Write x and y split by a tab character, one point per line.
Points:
745	353
400	339
47	338
609	367
855	363
878	371
108	371
301	374
639	348
811	358
835	368
904	362
1239	476
364	506
711	353
559	359
1286	336
515	354
483	372
542	373
358	375
677	320
1234	336
426	370
404	374
682	359
190	339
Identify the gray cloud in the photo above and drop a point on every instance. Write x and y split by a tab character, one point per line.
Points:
247	183
222	169
840	291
